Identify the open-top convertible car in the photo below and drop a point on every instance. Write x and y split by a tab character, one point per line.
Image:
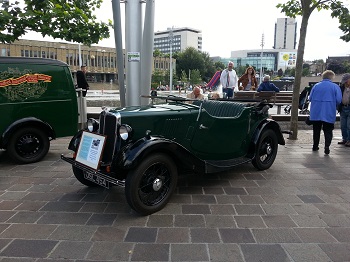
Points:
145	148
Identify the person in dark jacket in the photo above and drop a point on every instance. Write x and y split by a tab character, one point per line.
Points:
344	110
81	80
267	85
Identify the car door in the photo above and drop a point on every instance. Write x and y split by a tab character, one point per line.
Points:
221	137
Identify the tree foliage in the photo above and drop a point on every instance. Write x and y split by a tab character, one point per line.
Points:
304	8
71	20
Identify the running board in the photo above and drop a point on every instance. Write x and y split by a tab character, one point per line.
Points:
213	166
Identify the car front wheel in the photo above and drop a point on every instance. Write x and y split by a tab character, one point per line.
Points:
149	186
266	150
28	145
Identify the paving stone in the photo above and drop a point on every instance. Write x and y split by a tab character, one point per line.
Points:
189	221
214	191
139	234
31	206
216	221
222	210
252	200
278	221
224	199
126	220
278	209
189	252
148	252
310	199
173	235
160	221
336	220
225	252
337	252
259	253
332	209
102	219
314	235
306	252
73	233
203	199
308	221
204	235
261	191
6	215
94	207
191	190
25	217
305	209
62	206
236	235
28	231
250	222
29	248
64	218
278	235
235	191
249	210
109	251
71	250
195	209
341	234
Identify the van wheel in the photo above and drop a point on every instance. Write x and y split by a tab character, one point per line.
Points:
28	145
148	187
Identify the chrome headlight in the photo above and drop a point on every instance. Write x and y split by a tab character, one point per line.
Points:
125	132
93	125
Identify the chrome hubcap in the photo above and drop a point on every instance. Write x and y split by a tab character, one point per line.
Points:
157	184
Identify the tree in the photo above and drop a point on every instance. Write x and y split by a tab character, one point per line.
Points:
219	66
304	8
195	77
71	20
189	59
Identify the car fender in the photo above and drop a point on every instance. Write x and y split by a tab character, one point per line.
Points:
26	122
265	124
131	155
269	124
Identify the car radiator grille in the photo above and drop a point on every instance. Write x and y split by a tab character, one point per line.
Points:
108	128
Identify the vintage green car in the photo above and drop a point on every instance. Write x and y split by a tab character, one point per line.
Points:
145	148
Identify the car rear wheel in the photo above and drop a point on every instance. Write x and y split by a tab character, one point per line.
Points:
79	175
266	150
149	186
28	145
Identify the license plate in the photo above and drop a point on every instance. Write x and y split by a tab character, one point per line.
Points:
96	179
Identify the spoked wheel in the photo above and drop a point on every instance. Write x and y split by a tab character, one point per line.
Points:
266	150
28	145
149	186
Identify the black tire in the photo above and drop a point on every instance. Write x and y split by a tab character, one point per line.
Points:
149	186
28	145
266	150
79	175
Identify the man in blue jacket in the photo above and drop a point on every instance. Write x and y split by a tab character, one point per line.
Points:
267	85
325	96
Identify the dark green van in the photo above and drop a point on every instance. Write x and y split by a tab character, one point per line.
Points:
38	103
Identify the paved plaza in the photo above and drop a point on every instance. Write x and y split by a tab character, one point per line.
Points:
298	210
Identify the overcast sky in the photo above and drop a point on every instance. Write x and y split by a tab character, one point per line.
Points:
228	25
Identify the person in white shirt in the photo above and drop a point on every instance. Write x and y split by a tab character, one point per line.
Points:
229	80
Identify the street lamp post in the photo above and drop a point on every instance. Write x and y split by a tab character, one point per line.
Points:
261	58
171	35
